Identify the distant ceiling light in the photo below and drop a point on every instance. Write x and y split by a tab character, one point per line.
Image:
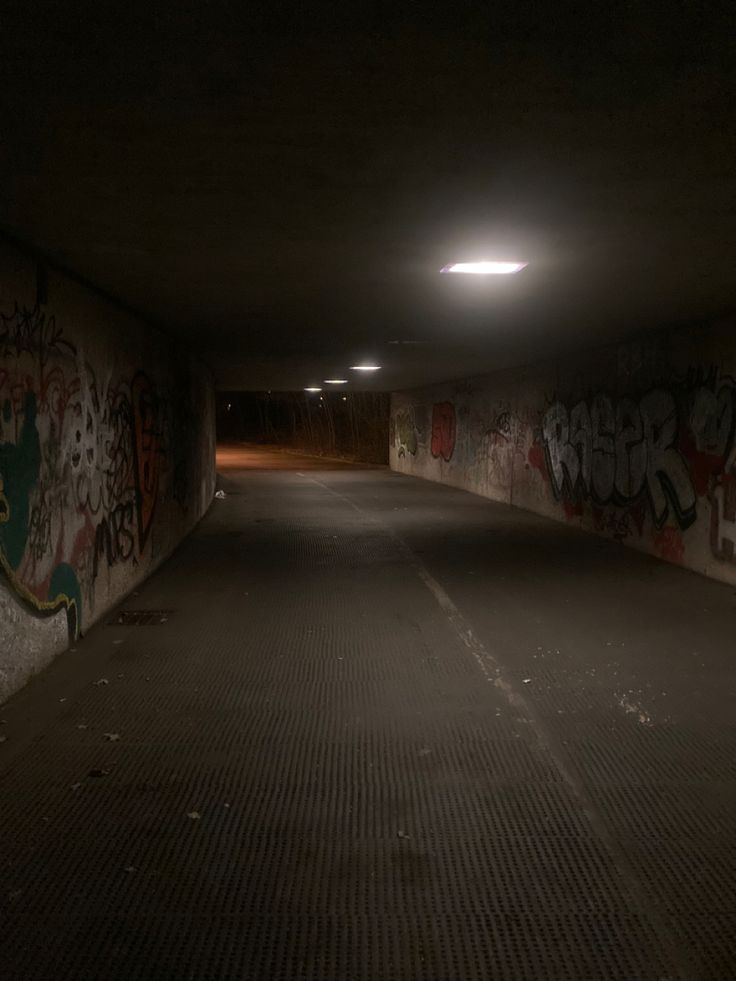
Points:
484	268
312	389
365	367
336	381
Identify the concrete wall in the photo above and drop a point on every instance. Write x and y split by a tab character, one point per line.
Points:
635	442
106	459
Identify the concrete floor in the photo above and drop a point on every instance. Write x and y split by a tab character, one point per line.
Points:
389	730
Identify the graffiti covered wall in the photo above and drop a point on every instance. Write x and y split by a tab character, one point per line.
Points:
636	442
106	459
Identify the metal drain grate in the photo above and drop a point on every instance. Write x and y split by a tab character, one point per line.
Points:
140	618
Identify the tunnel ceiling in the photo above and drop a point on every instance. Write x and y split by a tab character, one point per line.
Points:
279	186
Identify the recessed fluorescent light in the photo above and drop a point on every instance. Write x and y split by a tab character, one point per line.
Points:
365	367
312	389
336	381
486	268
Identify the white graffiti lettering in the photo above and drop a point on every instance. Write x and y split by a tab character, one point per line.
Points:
616	453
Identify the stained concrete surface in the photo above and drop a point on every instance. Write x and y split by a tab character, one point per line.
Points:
388	730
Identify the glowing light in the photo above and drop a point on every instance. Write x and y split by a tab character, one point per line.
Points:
336	381
365	367
486	268
312	389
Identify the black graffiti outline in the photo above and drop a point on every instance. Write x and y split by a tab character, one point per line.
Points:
582	487
30	331
115	536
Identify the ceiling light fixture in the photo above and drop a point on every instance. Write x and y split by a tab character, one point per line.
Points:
485	268
312	389
365	367
336	381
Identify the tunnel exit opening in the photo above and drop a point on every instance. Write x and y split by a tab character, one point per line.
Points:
345	425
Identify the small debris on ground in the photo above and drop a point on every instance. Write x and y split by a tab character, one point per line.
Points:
527	681
75	786
633	708
402	834
3	739
98	772
82	725
112	737
194	815
101	681
130	868
62	699
220	495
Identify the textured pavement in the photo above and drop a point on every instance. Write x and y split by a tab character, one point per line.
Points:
388	730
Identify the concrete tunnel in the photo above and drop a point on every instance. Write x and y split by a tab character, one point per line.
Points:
367	493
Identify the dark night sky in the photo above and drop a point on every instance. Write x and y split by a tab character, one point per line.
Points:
280	184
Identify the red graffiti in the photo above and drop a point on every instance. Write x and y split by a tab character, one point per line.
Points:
612	522
573	509
704	465
443	429
668	544
536	459
147	444
638	513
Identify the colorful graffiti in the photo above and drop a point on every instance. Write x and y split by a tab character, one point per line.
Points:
653	467
443	430
672	449
617	452
81	456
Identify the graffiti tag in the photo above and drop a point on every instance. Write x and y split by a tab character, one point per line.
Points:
617	452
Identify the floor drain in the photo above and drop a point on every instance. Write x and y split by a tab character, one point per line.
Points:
140	618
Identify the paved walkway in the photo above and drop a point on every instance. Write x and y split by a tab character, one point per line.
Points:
389	730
